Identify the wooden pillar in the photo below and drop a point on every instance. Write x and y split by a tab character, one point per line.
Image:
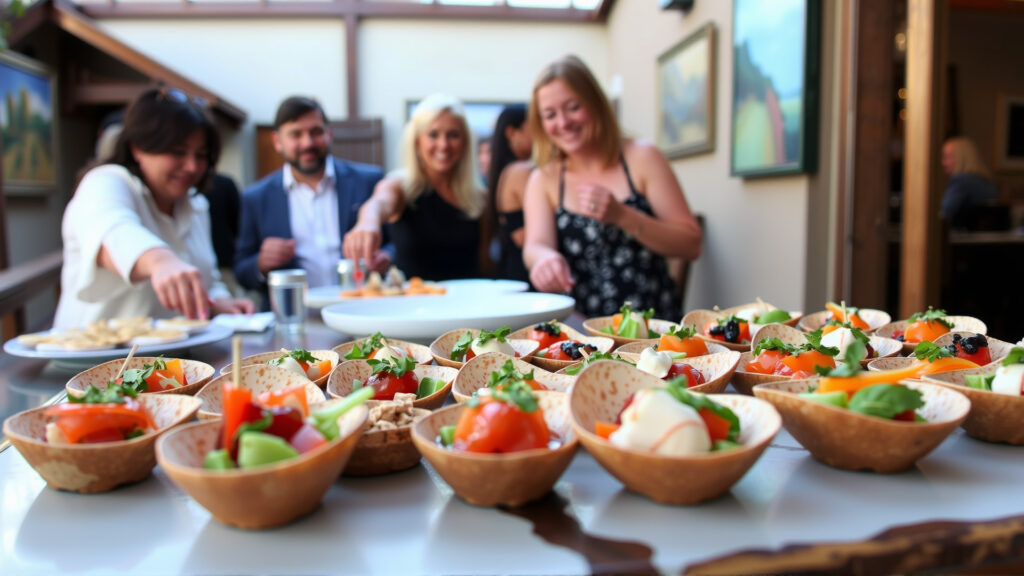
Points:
919	285
352	63
873	133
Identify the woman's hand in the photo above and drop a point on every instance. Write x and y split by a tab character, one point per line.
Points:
232	306
179	286
598	203
551	274
362	243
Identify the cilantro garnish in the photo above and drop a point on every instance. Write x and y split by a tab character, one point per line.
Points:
814	343
396	367
885	400
114	393
466	340
298	354
930	352
518	393
682	332
576	369
1016	356
677	388
931	315
135	379
366	347
850	365
507	375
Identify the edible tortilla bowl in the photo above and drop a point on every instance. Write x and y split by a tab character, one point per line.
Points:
960	324
419	352
259	378
884	347
997	348
593	326
340	383
852	441
994	417
717	369
197	374
90	468
441	348
874	318
700	318
382	451
474	375
265	357
794	315
511	479
261	497
600	393
744	381
603	343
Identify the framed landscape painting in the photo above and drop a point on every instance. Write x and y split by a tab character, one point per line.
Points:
686	95
775	87
26	125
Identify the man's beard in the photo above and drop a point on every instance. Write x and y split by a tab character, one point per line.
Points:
307	169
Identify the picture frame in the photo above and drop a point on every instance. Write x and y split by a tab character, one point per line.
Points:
776	75
27	125
1009	145
686	95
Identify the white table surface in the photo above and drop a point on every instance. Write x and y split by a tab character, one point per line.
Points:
411	523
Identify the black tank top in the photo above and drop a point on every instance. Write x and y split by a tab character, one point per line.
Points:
609	266
511	264
435	240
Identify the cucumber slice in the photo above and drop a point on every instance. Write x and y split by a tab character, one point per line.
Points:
837	399
218	460
771	316
259	449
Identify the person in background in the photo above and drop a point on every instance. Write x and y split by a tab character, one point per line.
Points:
969	185
136	234
225	205
511	145
295	217
602	212
483	159
433	203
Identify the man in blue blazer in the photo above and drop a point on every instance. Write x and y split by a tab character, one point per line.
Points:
296	217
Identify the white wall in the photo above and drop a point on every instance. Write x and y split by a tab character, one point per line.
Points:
403	60
252	63
756	236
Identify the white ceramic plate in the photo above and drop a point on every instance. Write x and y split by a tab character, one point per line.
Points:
326	295
427	317
213	333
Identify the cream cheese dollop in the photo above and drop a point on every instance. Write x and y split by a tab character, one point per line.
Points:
656	422
839	338
288	363
1009	380
492	345
655	363
388	352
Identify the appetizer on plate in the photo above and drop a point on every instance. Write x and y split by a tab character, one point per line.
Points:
430	384
259	378
100	441
147	375
394	284
508	447
628	325
996	392
865	319
857	420
662	449
379	347
928	326
314	365
455	347
492	369
266	494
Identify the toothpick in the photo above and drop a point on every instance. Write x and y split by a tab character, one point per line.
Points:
128	359
762	304
236	361
842	303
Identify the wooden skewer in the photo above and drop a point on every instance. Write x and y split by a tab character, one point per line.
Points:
236	361
842	303
128	359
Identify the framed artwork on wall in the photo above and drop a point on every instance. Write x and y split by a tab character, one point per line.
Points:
1010	132
686	95
776	56
27	125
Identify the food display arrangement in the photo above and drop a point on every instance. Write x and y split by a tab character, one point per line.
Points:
500	415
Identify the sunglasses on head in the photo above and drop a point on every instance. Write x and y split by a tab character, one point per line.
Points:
174	95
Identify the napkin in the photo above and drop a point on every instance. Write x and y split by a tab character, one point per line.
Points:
246	322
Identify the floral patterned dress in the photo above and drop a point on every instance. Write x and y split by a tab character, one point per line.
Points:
609	266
